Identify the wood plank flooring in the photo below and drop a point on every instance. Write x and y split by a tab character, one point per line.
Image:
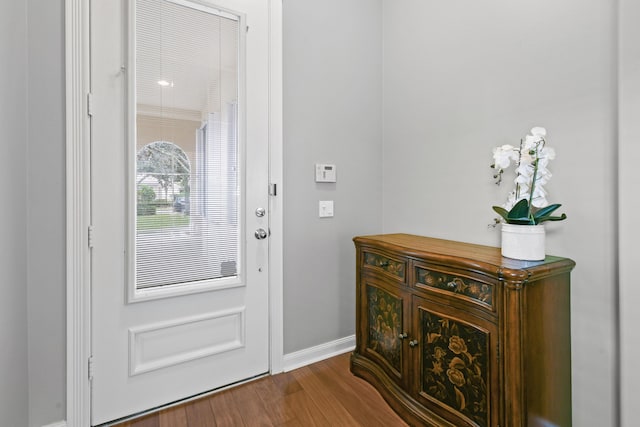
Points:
322	394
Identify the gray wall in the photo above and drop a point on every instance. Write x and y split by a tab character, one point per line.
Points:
332	99
13	146
45	217
463	77
629	236
32	328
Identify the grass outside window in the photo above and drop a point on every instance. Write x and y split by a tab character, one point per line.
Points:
163	220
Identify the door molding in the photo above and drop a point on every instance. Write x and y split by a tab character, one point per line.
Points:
78	214
276	168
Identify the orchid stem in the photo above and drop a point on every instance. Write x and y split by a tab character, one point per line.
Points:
517	173
533	184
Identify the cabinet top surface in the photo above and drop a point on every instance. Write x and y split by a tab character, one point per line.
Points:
478	257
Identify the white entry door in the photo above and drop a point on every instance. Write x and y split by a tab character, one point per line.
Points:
179	200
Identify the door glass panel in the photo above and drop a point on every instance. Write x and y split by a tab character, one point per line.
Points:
187	169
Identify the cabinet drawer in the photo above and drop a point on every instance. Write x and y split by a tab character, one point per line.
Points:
455	285
394	268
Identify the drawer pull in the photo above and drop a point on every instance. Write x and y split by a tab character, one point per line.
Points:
403	335
468	287
393	267
413	343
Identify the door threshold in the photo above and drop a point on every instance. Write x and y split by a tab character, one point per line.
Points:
181	401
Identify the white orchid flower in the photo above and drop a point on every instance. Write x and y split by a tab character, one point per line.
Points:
503	155
543	177
523	180
532	141
526	158
539	202
521	192
539	131
524	171
539	199
529	143
532	159
547	153
543	163
511	201
543	172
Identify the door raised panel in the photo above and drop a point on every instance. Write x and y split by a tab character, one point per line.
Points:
385	325
456	362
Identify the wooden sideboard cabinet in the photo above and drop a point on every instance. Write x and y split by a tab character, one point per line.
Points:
453	334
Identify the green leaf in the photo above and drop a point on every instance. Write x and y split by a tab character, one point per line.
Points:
520	221
519	212
551	218
501	211
544	214
546	211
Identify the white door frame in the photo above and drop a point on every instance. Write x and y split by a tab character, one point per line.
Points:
78	273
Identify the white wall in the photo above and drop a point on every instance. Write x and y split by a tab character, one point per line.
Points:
629	155
462	77
332	99
13	145
45	212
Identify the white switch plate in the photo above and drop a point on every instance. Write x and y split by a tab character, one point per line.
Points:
325	172
325	208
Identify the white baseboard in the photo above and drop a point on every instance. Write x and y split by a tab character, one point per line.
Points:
58	424
320	352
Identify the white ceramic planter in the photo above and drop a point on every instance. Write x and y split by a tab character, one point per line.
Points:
524	242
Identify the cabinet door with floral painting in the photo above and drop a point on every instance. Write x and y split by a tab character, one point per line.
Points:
455	364
385	326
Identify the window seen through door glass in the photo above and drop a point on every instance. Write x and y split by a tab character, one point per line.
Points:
187	173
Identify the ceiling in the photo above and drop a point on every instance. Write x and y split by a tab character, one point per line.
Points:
186	58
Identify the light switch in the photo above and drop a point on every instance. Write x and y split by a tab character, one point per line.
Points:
326	208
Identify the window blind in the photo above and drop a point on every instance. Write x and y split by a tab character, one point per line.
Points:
187	177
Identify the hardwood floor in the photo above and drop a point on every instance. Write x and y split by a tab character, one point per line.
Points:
322	394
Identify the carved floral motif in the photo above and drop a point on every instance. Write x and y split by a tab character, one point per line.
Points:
454	357
385	325
476	290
